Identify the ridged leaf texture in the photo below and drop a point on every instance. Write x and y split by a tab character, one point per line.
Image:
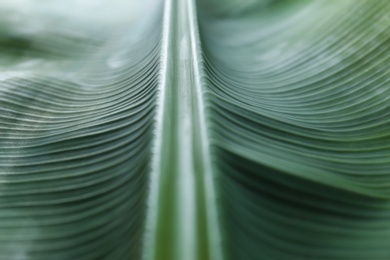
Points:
184	130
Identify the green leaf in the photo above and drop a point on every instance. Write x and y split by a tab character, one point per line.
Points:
163	130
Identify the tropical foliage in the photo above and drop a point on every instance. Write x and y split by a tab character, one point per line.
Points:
210	130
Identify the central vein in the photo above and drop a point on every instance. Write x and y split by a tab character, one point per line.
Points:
182	219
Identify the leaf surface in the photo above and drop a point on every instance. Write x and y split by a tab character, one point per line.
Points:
192	130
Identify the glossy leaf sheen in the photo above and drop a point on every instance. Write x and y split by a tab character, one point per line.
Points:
163	130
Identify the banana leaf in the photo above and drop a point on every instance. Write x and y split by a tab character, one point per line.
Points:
194	130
